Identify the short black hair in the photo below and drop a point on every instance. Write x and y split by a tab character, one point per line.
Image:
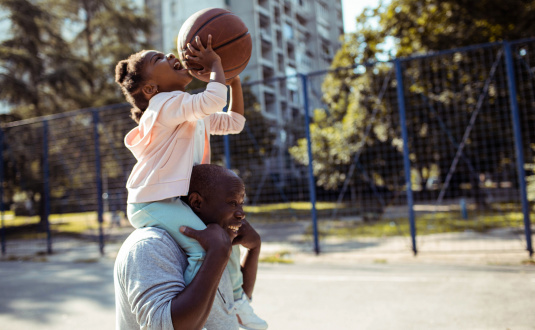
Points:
206	178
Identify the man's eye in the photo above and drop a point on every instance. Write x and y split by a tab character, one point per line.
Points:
233	203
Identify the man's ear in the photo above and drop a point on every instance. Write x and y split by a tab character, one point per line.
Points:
195	201
150	89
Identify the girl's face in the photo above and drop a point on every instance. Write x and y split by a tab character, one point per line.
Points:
165	71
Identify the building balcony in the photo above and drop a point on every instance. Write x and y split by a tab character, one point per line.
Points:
265	35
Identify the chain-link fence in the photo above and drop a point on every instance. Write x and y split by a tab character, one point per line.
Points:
413	154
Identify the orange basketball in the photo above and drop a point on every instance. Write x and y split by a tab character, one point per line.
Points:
230	39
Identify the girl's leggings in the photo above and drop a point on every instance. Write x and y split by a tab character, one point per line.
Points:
171	213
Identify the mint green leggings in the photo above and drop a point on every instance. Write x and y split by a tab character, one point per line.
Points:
171	213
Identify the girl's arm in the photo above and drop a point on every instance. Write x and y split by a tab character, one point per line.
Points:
231	122
248	238
236	96
186	107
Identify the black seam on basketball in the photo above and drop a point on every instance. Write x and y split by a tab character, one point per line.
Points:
210	20
231	41
239	66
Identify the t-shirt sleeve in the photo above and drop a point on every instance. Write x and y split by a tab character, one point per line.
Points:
152	277
192	107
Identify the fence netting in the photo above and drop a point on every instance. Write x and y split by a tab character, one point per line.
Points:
424	147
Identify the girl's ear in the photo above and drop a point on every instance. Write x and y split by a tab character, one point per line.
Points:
195	201
150	89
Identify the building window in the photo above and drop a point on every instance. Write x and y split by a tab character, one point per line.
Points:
288	31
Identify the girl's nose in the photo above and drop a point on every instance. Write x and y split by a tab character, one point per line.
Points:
170	56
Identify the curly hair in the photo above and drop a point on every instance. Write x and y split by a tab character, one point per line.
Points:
129	75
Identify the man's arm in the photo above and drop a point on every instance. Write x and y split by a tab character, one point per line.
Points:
250	240
191	307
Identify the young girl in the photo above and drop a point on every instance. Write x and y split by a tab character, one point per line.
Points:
172	136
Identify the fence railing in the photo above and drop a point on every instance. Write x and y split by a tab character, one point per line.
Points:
408	151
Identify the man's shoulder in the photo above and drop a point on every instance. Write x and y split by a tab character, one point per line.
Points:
151	238
147	233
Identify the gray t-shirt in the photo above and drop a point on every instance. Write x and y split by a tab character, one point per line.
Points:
148	274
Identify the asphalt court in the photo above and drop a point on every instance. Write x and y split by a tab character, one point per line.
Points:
310	294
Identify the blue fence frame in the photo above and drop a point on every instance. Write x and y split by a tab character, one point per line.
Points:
312	184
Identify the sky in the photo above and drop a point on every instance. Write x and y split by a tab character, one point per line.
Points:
352	8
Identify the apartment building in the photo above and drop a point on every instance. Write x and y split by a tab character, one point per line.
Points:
289	37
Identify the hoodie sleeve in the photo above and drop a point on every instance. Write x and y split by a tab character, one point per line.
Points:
222	123
192	107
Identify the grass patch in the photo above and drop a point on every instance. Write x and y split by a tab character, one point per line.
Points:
283	257
290	210
432	223
68	224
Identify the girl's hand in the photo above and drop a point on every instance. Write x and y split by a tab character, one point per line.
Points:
205	57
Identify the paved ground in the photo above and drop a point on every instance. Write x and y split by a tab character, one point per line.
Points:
351	285
306	295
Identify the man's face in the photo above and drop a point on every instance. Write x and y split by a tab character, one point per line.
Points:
224	205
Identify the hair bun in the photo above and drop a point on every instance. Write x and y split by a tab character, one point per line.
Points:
121	70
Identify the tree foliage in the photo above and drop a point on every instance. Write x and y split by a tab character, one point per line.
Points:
60	55
360	116
34	58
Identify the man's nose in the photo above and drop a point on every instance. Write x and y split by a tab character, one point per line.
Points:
240	214
170	56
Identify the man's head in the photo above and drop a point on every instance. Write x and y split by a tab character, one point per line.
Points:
216	195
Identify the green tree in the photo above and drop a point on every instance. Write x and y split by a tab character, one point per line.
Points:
101	33
60	55
34	60
361	107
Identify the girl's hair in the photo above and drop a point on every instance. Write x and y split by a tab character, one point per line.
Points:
129	75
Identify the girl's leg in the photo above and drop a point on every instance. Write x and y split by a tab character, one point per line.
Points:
234	268
169	215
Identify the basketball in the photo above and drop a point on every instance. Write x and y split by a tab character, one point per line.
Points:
230	39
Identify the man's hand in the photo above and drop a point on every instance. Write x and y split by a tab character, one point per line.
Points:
212	239
247	236
191	307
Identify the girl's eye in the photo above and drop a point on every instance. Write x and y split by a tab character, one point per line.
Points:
233	203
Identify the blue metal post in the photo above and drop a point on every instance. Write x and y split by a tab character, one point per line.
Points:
406	159
511	82
311	181
46	187
3	234
98	178
226	144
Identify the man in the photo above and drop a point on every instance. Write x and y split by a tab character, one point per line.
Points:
149	285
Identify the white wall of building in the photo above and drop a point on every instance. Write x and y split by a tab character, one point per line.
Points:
175	13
